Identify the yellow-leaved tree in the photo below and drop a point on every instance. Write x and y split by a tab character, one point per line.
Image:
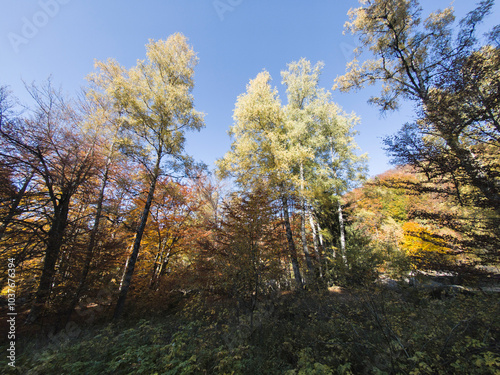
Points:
155	101
425	248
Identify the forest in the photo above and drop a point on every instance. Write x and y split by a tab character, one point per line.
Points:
121	254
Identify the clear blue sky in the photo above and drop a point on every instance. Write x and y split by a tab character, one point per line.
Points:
234	39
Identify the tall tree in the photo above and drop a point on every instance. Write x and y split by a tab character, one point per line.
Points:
51	145
301	149
104	124
452	78
322	147
339	165
259	149
157	105
302	90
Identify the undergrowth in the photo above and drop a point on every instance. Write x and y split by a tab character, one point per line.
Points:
354	332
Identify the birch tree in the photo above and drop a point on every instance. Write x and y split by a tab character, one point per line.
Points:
303	149
259	149
301	81
156	103
323	150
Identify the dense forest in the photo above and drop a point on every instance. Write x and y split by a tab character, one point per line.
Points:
120	254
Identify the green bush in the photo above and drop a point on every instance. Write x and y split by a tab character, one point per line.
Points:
363	257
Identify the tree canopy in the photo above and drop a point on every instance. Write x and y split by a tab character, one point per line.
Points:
452	78
286	258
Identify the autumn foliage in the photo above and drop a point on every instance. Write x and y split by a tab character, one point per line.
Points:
287	259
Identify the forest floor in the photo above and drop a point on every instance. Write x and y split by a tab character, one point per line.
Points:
369	329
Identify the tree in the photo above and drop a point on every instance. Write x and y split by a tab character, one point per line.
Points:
301	124
9	193
245	249
51	148
321	148
303	149
171	220
157	105
259	149
104	124
422	61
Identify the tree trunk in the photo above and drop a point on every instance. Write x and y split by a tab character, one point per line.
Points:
321	241
159	267
322	250
129	270
305	249
54	243
477	176
342	233
92	240
291	244
156	266
317	252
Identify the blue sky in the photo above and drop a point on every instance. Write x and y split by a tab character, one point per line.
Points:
234	39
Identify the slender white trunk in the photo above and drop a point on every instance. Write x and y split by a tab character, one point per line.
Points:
315	242
291	243
321	240
341	217
342	233
307	255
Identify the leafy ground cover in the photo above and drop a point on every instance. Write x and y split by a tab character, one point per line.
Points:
376	331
